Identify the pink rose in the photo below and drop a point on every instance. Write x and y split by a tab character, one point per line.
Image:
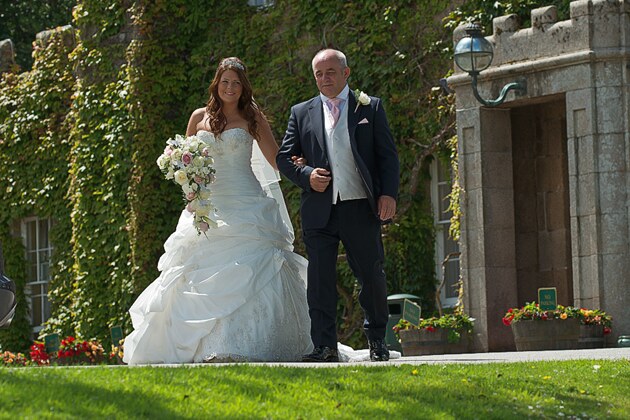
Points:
198	179
203	226
187	158
168	151
189	207
190	196
205	152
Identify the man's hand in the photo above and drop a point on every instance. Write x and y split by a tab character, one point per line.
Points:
320	178
386	207
298	161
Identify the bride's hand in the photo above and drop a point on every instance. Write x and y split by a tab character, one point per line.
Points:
298	161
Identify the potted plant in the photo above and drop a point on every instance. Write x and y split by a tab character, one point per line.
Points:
561	328
594	325
449	333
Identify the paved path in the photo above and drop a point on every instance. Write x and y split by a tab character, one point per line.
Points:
520	356
495	357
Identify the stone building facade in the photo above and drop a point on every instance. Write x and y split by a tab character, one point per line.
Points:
546	175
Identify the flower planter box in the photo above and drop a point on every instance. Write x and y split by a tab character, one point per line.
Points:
592	336
553	334
418	342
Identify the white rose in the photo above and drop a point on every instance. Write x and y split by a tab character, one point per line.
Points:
163	162
170	174
198	161
364	99
205	194
186	187
180	177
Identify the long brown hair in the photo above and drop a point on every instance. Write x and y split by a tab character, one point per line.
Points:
246	104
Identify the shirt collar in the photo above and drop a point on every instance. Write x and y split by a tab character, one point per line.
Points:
343	95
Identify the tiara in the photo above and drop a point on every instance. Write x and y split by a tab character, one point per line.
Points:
232	63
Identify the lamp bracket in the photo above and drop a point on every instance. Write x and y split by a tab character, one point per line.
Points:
519	86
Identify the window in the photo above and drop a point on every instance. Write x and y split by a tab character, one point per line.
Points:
260	3
35	233
445	246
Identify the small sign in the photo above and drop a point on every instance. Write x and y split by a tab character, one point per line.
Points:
411	312
116	334
547	298
51	342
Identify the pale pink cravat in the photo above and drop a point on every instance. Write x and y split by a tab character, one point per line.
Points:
333	105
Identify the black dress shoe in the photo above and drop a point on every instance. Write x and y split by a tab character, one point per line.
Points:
322	354
378	351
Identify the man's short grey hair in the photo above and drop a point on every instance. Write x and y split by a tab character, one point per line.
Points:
340	56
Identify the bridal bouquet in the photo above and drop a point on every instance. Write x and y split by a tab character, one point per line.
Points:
187	161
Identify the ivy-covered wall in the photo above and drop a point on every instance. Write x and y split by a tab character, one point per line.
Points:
90	119
35	152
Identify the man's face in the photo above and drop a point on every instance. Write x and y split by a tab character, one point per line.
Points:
329	75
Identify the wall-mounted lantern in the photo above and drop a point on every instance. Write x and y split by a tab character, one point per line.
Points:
473	54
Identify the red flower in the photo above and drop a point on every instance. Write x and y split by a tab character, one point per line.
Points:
430	328
607	330
38	354
507	321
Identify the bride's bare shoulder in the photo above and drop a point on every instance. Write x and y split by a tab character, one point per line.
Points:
198	114
195	118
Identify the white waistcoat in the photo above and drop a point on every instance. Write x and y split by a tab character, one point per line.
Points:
346	181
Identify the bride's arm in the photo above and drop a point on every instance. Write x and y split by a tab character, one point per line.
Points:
195	119
266	141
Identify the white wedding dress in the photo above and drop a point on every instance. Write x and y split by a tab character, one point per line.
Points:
235	294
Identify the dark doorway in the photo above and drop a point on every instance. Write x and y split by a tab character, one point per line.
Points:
541	200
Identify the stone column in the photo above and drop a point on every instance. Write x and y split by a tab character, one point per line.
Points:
598	130
487	230
7	55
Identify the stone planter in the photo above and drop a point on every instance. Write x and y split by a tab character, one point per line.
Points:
592	336
418	342
553	334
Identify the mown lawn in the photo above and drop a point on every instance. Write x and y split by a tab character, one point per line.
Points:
568	389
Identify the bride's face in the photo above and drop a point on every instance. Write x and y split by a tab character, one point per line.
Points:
230	87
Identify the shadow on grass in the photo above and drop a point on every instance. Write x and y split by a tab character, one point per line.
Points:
47	392
245	391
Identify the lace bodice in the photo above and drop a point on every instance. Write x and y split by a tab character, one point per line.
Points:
232	152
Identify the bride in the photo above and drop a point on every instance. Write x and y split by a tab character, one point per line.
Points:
237	293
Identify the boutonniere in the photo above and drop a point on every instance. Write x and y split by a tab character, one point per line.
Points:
361	97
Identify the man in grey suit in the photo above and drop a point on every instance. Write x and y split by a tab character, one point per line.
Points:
349	187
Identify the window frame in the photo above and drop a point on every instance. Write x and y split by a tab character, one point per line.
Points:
260	3
40	282
442	224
